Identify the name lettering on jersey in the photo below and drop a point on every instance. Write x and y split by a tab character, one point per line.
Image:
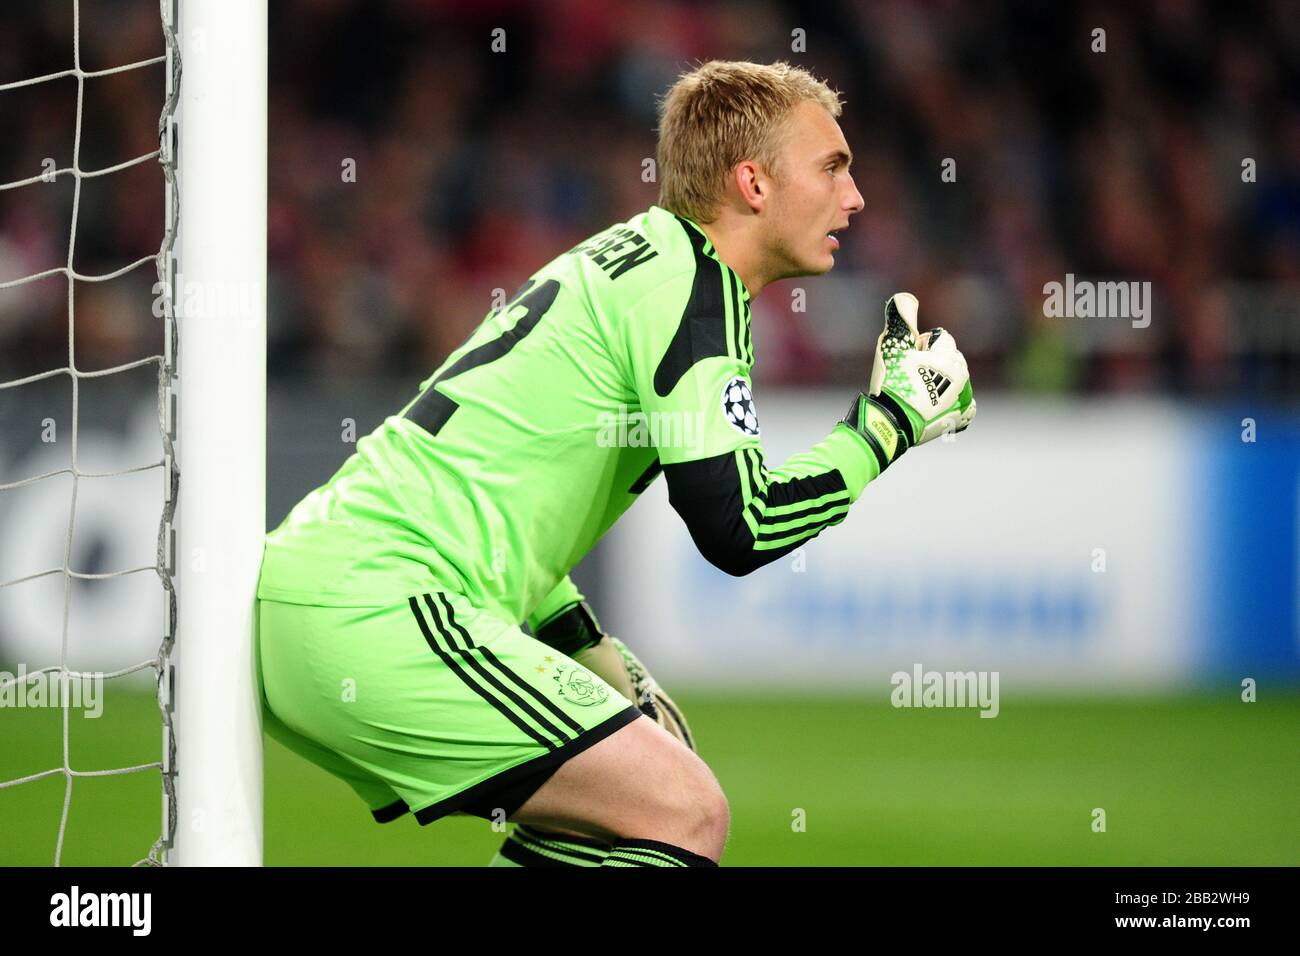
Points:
617	250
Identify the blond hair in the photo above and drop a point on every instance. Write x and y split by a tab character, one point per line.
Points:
719	114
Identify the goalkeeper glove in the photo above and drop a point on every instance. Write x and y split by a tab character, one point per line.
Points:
920	386
647	694
575	632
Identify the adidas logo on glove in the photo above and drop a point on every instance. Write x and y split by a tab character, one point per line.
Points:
935	383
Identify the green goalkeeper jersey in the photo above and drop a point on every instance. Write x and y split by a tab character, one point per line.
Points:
627	356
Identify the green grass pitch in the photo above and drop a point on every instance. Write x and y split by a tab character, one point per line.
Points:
1186	780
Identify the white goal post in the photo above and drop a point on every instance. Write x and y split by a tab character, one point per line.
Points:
218	298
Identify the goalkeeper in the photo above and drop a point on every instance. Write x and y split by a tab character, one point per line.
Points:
392	599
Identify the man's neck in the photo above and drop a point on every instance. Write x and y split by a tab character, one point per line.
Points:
731	239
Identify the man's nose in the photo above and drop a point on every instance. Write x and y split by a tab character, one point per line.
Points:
855	202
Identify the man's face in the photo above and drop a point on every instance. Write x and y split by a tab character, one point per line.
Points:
814	197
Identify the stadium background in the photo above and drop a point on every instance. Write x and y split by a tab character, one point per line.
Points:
1121	688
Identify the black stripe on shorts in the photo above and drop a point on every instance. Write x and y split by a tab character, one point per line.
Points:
502	706
496	662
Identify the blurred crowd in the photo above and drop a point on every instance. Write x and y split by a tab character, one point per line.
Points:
475	164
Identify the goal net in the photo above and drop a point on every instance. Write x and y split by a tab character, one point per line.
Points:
208	288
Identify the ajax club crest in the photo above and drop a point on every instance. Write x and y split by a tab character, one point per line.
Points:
577	686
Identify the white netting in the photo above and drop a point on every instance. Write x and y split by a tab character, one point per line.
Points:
163	566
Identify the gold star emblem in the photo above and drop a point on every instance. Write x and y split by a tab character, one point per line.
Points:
541	669
549	659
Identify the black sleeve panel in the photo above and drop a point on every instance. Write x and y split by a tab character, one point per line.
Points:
741	519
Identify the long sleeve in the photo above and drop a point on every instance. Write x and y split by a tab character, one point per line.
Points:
691	357
742	516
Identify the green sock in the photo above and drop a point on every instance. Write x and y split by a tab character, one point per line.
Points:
533	846
652	853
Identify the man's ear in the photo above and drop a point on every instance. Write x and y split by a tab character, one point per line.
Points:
753	183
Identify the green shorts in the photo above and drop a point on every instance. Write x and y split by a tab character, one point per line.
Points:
430	705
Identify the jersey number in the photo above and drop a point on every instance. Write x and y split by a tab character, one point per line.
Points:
432	409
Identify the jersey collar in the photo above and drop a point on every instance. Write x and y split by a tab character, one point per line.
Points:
708	249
